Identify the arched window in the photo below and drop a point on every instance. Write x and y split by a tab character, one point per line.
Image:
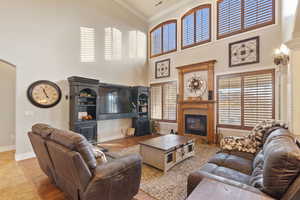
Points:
163	38
196	26
237	16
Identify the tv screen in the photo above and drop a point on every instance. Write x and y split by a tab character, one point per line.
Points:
115	100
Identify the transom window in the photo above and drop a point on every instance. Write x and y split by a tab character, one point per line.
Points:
164	38
196	26
164	101
245	99
236	16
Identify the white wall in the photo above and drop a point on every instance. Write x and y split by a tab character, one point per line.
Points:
291	36
7	106
42	39
289	17
270	39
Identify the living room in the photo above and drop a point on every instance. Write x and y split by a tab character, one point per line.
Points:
180	99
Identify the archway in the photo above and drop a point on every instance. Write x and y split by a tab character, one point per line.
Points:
7	105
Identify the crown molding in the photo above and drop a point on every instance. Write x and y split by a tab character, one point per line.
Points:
132	10
169	10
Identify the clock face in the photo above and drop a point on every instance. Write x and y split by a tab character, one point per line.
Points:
44	94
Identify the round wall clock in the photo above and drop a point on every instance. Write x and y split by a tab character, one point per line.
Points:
44	94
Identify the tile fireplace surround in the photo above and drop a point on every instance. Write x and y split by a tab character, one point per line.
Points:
197	106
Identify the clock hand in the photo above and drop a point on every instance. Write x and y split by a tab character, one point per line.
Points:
45	93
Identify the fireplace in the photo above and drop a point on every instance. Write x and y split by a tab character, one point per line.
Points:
196	124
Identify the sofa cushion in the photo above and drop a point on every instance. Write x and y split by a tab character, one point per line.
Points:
256	179
226	173
43	130
75	142
232	162
258	160
281	163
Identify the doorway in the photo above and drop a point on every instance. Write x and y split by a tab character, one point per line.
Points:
7	106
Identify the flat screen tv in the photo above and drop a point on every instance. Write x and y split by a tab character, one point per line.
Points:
115	102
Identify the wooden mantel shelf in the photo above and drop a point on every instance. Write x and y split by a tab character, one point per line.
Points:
197	101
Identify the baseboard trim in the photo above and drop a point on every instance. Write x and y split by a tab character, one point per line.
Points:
7	148
24	156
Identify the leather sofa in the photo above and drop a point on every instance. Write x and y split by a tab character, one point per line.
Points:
70	163
273	171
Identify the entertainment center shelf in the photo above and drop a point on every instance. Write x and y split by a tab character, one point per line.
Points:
91	101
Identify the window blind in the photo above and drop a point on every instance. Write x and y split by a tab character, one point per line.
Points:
196	26
188	33
245	99
156	41
87	44
236	16
164	101
164	38
156	102
169	37
230	104
230	16
113	44
258	12
170	101
202	25
258	98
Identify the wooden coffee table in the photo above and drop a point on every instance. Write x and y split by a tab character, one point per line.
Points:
209	189
166	151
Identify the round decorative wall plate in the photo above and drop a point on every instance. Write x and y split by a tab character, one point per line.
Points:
197	85
44	94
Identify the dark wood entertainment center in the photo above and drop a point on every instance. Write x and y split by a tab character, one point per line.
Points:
85	107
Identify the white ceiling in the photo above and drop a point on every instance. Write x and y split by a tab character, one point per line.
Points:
148	10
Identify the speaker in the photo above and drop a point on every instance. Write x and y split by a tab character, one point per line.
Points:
210	95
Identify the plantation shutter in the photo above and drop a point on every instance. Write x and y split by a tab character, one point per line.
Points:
156	41
202	25
196	26
156	102
169	37
164	38
236	16
188	30
245	99
230	101
230	16
87	44
258	98
258	12
169	101
164	101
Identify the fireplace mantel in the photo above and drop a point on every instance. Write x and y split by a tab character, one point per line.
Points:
197	106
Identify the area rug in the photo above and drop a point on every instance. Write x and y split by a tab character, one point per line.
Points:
172	184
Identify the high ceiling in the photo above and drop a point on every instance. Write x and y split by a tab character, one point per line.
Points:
149	9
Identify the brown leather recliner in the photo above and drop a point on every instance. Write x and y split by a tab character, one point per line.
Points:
78	173
38	136
274	171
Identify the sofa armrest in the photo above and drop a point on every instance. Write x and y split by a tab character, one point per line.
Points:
196	177
118	179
